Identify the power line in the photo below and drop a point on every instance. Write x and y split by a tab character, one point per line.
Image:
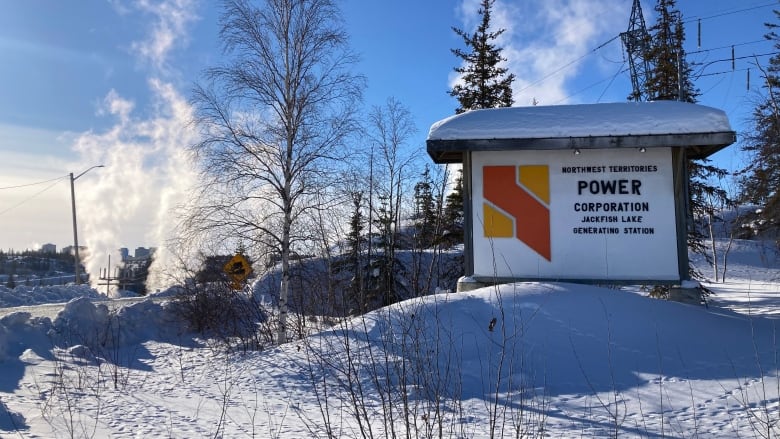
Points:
723	14
727	47
55	181
567	65
725	72
611	80
32	184
733	59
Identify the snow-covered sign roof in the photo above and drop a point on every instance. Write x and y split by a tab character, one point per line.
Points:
703	130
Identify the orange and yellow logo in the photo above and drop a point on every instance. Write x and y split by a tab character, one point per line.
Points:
517	205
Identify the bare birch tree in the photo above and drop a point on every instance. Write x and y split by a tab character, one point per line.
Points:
390	128
273	119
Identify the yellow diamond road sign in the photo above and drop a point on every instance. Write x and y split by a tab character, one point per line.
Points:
238	268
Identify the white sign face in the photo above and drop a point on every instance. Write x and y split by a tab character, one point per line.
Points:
600	214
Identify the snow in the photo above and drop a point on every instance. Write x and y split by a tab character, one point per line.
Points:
34	295
25	296
559	360
590	120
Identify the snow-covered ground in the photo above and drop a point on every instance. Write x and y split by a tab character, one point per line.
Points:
522	360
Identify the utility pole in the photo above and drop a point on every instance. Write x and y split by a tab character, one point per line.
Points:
77	263
110	280
75	233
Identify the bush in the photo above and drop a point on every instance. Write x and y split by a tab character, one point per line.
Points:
216	310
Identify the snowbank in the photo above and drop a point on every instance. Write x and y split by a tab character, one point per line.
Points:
25	296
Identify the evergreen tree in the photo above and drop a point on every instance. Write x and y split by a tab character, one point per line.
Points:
354	247
381	290
355	234
670	79
453	213
485	83
425	211
760	180
11	283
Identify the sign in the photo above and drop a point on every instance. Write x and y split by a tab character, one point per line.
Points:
238	270
602	214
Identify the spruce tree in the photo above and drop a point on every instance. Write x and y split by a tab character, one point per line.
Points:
485	83
425	211
11	283
760	180
670	77
382	285
355	242
355	235
453	213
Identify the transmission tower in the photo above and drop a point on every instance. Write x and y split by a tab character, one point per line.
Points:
636	40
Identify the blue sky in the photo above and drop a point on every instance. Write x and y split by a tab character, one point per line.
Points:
106	81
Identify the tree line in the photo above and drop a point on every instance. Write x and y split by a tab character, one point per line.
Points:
20	267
